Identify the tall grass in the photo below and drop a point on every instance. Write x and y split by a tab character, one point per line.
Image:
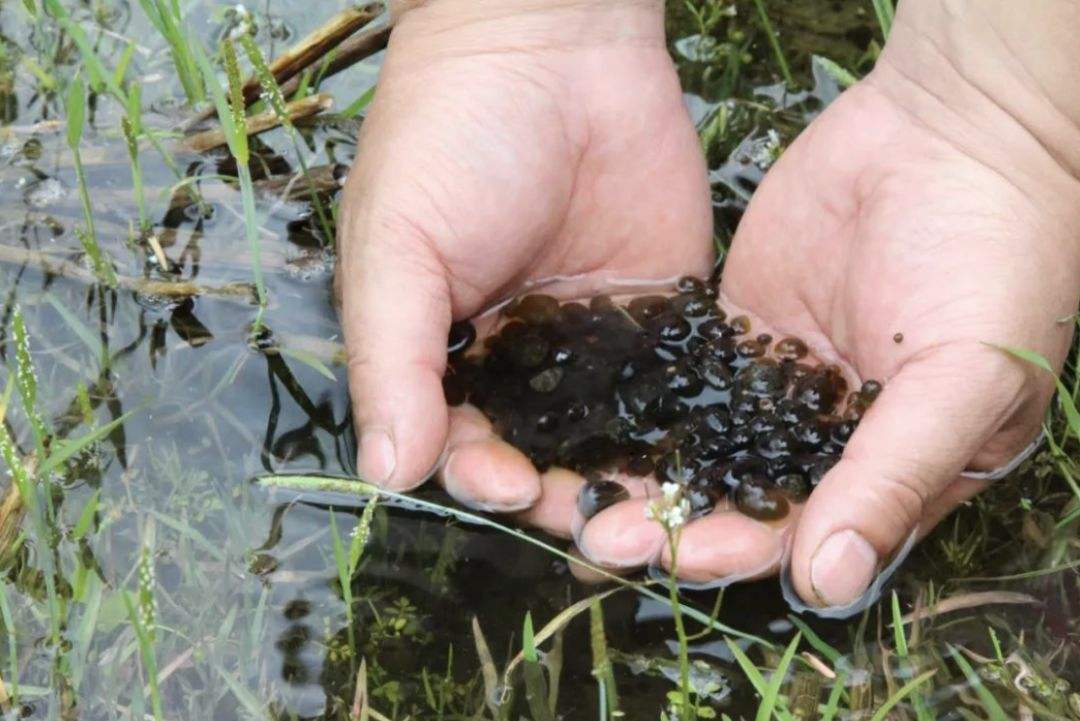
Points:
271	94
230	110
774	43
76	118
131	126
167	19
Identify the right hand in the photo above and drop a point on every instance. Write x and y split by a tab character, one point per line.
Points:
510	141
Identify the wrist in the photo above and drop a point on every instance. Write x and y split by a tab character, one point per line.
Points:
531	24
1007	69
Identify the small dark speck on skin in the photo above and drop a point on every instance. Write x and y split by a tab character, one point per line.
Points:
898	338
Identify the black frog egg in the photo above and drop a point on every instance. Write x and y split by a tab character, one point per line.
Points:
818	391
702	500
740	324
672	329
455	388
716	420
597	495
722	349
715	328
811	433
692	305
715	447
870	390
665	408
690	284
577	411
791	348
547	422
644	308
794	486
535	309
640	464
462	335
716	374
562	356
530	351
751	348
763	379
682	380
760	500
574	316
678	468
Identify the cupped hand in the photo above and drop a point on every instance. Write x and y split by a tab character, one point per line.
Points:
907	242
509	142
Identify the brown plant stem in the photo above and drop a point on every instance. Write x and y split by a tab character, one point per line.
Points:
255	124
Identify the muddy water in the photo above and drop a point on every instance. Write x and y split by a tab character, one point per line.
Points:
251	615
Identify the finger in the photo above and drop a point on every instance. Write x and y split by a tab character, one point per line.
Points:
622	537
396	316
926	426
727	546
483	471
554	512
588	572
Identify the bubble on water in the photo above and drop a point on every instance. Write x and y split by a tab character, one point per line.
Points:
43	193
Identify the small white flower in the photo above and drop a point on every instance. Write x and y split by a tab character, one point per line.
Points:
670	491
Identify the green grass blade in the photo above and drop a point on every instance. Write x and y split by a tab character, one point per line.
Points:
66	449
990	704
883	10
901	693
774	43
832	705
898	628
772	691
814	640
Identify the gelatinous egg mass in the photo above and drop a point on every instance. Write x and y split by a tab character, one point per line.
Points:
660	384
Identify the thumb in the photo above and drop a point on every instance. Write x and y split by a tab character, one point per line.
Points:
395	312
943	409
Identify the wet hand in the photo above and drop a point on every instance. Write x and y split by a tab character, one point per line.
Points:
510	141
913	227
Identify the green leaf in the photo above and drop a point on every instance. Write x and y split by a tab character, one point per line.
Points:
528	640
814	640
86	517
843	77
1068	405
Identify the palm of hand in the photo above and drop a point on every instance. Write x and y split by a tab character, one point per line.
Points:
530	181
902	257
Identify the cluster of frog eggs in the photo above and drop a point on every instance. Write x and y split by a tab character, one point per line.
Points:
663	384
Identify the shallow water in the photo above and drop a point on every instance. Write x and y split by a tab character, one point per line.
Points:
251	616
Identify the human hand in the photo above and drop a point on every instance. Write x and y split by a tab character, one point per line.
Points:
919	207
510	141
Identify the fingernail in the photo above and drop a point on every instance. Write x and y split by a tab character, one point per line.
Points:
377	461
843	568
